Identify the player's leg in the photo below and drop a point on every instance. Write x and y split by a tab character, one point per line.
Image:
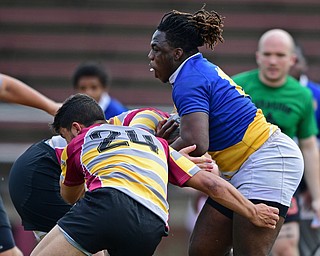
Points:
271	175
106	218
251	240
212	234
287	242
15	251
56	244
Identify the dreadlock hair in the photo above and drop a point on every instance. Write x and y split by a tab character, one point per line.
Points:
190	31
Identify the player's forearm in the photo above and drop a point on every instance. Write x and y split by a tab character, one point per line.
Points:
179	144
15	91
224	193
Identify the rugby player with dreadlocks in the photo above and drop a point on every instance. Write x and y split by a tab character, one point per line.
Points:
216	114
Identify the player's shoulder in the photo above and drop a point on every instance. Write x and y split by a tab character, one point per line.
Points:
294	84
248	80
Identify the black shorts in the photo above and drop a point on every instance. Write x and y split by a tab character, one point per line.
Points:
6	237
35	190
228	213
107	219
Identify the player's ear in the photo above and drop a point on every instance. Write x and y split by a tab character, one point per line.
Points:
76	128
257	57
293	59
177	54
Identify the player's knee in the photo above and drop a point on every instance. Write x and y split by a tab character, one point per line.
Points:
12	252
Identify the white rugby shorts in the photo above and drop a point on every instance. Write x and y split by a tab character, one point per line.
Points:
273	172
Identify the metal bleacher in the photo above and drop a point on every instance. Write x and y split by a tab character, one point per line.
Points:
43	41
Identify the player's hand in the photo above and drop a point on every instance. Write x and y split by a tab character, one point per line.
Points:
205	162
266	216
166	130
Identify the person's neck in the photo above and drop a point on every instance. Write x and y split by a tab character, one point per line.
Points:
179	65
188	55
100	122
270	83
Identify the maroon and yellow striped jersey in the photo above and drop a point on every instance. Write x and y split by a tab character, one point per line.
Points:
128	159
143	118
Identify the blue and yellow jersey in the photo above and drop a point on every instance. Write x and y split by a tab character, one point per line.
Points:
128	159
236	127
143	118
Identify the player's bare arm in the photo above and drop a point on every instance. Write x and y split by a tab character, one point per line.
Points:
205	162
72	194
15	91
224	193
194	129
